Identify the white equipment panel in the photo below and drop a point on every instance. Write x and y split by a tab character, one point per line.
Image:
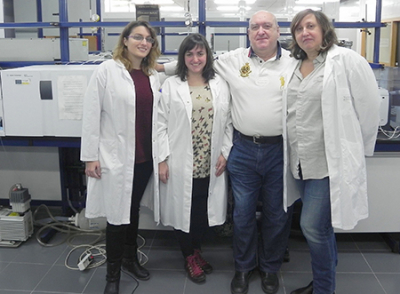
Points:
46	49
1	115
44	100
384	107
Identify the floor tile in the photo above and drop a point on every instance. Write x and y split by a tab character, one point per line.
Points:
352	262
384	262
366	266
3	265
165	259
390	282
355	283
162	282
216	282
30	276
15	292
33	252
61	279
8	254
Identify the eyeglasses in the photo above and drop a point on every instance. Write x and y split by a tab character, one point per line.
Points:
140	38
266	26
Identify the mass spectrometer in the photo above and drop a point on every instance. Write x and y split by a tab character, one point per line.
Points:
44	49
43	100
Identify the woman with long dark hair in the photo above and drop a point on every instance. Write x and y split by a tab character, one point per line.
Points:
195	137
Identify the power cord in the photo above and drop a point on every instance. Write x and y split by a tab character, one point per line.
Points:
91	254
391	134
133	278
63	227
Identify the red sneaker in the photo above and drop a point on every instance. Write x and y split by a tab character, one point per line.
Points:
205	266
194	270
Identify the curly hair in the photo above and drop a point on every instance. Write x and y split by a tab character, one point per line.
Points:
121	51
329	37
190	42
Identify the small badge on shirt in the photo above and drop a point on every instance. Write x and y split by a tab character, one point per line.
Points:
245	70
282	82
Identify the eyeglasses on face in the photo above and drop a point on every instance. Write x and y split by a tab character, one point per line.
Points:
140	38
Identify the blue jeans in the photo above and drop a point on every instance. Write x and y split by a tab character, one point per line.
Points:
256	173
316	224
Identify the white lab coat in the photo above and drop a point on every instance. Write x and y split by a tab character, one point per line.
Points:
108	135
175	142
350	113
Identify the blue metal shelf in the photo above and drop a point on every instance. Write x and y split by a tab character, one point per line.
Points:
63	25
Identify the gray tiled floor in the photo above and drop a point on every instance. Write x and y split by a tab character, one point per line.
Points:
366	266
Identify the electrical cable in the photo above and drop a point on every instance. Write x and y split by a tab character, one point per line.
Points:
391	134
95	250
101	251
133	277
63	227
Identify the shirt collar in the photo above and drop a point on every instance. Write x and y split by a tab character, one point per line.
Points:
278	52
320	58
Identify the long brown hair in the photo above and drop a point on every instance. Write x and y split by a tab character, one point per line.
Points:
121	52
329	37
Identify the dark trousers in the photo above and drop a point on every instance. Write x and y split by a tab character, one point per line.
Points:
198	218
117	236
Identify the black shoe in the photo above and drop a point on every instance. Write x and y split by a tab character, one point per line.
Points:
240	282
131	263
113	277
205	266
134	267
305	290
269	282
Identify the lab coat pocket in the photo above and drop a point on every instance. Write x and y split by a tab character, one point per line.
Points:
108	155
353	162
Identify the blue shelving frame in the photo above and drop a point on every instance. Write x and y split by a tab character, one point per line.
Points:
202	23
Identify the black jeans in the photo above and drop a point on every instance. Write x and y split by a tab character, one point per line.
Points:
117	236
198	218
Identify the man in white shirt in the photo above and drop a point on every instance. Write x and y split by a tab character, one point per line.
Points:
256	77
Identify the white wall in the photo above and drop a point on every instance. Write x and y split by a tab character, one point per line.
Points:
1	18
390	9
25	11
36	168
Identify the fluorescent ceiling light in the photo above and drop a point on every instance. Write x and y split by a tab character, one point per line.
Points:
313	2
302	7
152	2
171	8
230	2
231	8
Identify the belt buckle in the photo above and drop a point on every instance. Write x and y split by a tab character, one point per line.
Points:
255	138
